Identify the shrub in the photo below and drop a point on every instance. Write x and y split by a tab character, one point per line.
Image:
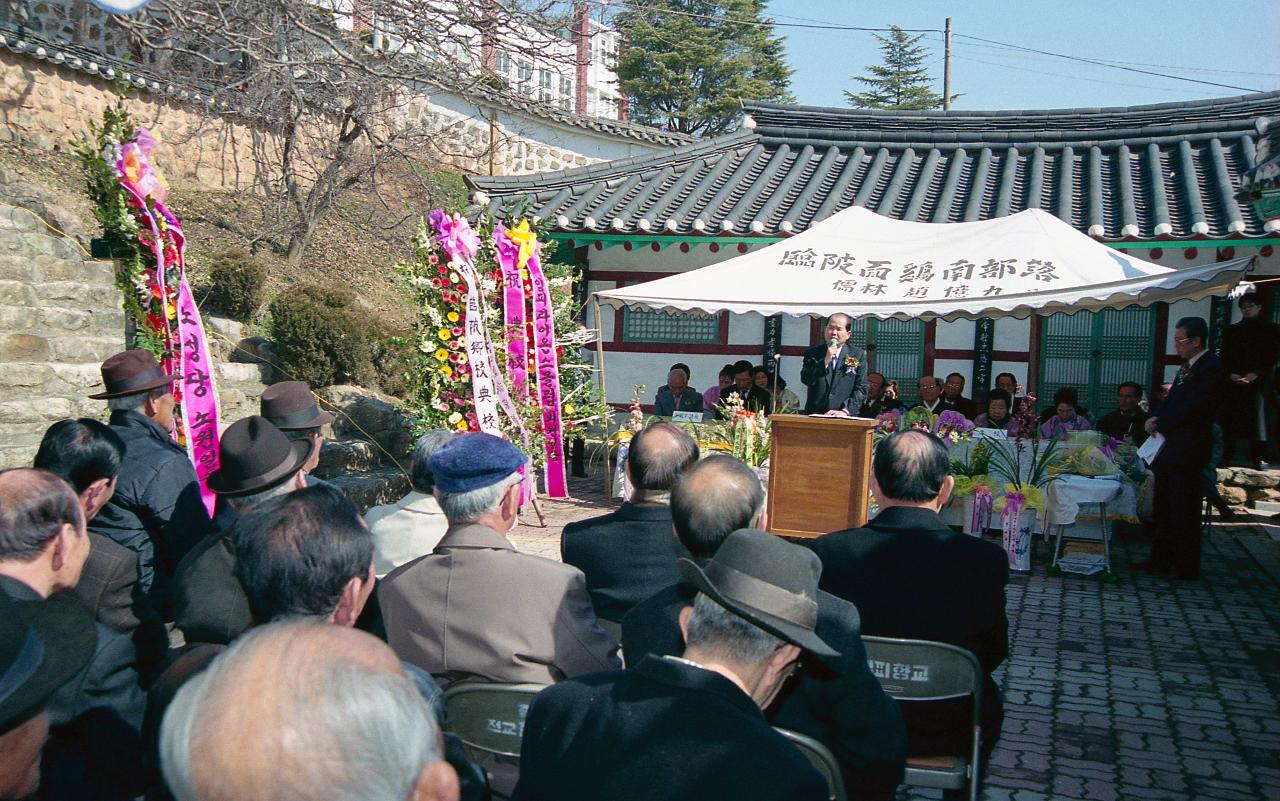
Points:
320	336
235	283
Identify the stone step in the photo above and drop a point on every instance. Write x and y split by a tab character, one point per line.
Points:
20	416
239	373
64	349
76	294
54	320
346	457
33	243
374	488
37	379
41	269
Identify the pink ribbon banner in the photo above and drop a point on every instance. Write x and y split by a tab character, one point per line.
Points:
189	355
547	365
513	310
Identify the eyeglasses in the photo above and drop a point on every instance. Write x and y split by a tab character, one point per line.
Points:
1183	339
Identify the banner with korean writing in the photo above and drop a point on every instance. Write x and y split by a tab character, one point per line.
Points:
860	263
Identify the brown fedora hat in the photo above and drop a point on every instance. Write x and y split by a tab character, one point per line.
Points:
289	405
131	372
255	456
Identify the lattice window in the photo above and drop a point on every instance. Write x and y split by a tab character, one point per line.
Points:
681	329
1095	353
899	355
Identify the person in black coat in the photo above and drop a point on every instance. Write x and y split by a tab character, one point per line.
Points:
1249	352
691	728
912	577
156	511
630	554
1185	418
838	703
1128	422
881	397
953	398
754	399
835	372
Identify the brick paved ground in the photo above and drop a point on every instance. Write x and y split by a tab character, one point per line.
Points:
1143	688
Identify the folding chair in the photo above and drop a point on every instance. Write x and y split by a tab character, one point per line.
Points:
919	670
821	758
489	717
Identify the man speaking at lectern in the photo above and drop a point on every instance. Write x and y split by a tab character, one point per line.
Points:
835	372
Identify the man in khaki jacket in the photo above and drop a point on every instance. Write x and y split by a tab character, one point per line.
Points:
475	608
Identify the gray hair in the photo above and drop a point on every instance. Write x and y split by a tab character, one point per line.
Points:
135	402
714	629
337	729
464	507
423	450
243	503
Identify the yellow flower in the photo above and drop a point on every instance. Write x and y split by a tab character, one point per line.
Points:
463	426
446	371
526	239
452	317
172	311
454	418
444	334
568	408
442	355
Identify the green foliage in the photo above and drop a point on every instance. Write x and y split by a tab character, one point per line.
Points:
902	81
689	64
320	336
236	279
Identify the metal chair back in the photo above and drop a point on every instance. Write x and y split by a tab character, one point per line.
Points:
489	717
821	758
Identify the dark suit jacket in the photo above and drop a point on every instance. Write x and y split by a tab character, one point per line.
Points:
665	403
911	576
1117	426
662	731
1185	417
841	705
874	408
839	389
961	404
626	556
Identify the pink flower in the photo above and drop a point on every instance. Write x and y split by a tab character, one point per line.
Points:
455	236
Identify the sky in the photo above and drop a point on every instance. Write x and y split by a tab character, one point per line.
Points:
1239	47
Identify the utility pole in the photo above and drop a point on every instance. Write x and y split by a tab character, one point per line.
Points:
946	68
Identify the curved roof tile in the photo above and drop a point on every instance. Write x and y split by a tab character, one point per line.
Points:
1149	172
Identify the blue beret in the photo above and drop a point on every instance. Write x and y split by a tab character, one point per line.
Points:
474	461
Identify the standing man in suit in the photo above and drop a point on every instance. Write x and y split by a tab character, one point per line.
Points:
691	727
630	554
1185	419
475	607
836	372
912	577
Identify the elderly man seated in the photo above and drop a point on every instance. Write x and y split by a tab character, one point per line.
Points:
476	607
410	527
911	576
630	554
691	727
840	703
348	723
677	395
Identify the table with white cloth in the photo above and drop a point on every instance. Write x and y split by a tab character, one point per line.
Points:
1065	519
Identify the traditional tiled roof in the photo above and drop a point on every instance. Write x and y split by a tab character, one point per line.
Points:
1149	172
1265	174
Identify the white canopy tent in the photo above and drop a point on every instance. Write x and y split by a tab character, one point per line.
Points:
862	264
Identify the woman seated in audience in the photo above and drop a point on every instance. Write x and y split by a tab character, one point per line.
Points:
711	397
1065	419
784	400
997	414
1065	395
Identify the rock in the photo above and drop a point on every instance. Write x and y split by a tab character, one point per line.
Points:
345	457
1236	496
1245	477
1267	494
253	350
373	489
367	414
1224	475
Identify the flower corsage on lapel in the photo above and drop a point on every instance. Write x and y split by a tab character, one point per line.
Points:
851	363
1184	372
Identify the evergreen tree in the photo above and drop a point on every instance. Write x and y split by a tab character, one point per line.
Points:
902	81
688	64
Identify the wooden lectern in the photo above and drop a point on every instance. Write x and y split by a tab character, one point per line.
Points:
818	469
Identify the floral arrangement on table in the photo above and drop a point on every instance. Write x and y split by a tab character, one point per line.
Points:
918	417
128	193
1027	468
498	342
952	427
747	434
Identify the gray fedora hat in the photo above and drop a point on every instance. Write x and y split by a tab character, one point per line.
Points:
768	582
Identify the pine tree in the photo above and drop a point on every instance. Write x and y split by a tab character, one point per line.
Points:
902	81
688	64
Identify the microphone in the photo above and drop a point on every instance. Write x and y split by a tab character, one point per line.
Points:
833	343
